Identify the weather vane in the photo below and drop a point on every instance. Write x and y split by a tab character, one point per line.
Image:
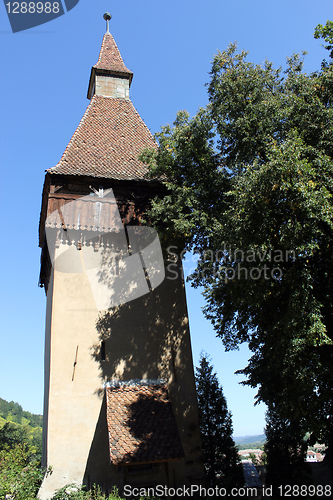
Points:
107	16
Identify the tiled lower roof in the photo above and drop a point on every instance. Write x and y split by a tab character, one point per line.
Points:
107	142
142	427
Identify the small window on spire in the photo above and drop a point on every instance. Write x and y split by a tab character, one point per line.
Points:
103	350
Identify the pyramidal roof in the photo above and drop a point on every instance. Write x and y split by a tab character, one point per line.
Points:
107	142
110	58
111	133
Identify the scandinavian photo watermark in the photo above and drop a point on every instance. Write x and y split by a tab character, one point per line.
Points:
229	263
124	262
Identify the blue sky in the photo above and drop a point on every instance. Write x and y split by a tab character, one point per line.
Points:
45	72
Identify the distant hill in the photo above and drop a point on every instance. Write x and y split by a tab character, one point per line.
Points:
13	412
250	441
18	426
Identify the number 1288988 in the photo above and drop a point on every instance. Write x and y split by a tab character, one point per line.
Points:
32	7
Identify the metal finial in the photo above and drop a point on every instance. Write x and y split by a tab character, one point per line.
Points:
107	16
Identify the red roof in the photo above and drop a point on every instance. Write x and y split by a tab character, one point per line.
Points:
110	58
142	427
107	142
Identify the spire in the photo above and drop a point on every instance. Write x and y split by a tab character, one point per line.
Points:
110	58
109	76
111	134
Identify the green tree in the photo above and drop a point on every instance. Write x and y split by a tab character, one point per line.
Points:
326	32
30	438
220	453
285	449
20	453
20	427
20	477
13	434
250	188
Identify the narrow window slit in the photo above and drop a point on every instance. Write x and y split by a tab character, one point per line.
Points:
103	350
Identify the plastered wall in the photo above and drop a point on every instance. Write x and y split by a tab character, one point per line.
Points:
147	338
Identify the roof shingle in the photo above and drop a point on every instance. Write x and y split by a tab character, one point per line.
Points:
110	58
107	142
142	427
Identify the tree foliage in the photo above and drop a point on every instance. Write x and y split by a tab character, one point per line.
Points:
285	449
20	477
220	453
20	427
326	32
20	452
250	189
12	434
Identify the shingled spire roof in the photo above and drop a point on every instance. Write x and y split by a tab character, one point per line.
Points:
110	58
111	134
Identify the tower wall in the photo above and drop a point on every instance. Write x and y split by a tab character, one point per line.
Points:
145	339
72	396
114	87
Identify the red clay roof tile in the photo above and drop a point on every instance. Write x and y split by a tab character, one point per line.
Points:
141	424
110	58
107	142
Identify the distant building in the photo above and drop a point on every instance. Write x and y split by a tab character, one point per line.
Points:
311	456
245	453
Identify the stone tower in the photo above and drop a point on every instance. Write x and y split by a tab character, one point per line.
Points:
120	404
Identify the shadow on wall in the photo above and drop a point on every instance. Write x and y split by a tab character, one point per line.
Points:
141	430
151	423
146	338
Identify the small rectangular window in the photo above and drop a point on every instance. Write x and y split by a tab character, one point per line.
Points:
103	350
